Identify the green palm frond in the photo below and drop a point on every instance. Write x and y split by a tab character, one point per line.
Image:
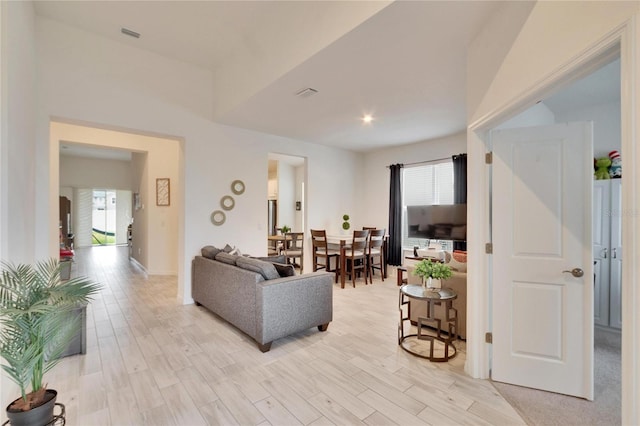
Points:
38	323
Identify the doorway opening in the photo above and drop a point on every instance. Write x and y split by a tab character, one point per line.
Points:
595	98
103	159
285	198
110	216
103	223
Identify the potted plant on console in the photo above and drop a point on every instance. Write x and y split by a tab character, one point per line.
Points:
38	325
285	229
432	273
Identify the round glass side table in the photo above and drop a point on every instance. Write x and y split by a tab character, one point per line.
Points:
429	328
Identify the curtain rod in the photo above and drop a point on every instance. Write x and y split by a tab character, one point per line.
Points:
430	161
425	162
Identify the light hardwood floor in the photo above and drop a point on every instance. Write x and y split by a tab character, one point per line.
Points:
153	361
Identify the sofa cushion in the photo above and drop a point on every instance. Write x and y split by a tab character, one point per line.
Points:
226	258
285	270
266	269
210	252
227	248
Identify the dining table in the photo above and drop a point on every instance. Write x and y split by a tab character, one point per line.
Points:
342	242
276	239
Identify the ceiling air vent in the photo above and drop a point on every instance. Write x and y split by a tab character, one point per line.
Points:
129	32
305	93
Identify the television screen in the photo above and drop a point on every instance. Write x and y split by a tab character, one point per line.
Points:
438	222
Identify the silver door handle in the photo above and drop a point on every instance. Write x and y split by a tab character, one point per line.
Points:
604	253
576	272
613	253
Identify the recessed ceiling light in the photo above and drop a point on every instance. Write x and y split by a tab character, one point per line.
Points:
367	118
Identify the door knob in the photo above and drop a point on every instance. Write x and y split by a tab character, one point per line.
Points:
576	272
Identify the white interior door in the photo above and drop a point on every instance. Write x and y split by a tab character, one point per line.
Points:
542	316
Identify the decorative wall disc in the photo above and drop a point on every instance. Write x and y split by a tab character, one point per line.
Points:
227	202
218	217
237	187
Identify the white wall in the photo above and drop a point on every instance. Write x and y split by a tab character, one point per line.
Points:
553	36
18	166
79	82
94	173
140	227
606	125
375	181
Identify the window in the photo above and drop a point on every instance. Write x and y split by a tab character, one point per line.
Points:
425	185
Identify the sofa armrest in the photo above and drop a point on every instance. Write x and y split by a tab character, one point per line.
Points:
291	304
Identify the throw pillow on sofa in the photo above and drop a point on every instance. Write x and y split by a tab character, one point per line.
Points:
453	263
266	269
272	259
226	258
284	270
210	252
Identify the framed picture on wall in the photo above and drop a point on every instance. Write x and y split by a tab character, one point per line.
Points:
163	192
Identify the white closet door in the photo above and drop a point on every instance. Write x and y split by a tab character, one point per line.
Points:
601	251
615	304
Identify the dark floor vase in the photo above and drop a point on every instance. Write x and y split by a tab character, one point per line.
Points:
39	416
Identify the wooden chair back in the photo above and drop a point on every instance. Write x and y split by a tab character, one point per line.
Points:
319	240
360	241
376	238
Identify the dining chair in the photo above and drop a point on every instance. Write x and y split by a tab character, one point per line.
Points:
355	256
376	242
321	253
292	248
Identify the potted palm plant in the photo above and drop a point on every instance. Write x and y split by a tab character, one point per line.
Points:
432	273
38	324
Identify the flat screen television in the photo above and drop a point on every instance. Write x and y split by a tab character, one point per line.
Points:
438	222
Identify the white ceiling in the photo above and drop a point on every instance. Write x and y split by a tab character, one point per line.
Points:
404	62
71	149
599	87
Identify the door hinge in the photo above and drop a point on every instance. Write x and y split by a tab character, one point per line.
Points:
488	248
488	158
488	337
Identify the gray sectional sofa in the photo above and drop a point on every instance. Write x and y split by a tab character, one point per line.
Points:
265	309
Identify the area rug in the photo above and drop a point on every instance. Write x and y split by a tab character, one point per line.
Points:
546	408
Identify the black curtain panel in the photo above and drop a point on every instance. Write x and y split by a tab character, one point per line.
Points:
460	189
394	256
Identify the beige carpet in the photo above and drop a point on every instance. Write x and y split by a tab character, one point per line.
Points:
546	408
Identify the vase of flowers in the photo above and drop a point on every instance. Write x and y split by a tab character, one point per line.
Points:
432	273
